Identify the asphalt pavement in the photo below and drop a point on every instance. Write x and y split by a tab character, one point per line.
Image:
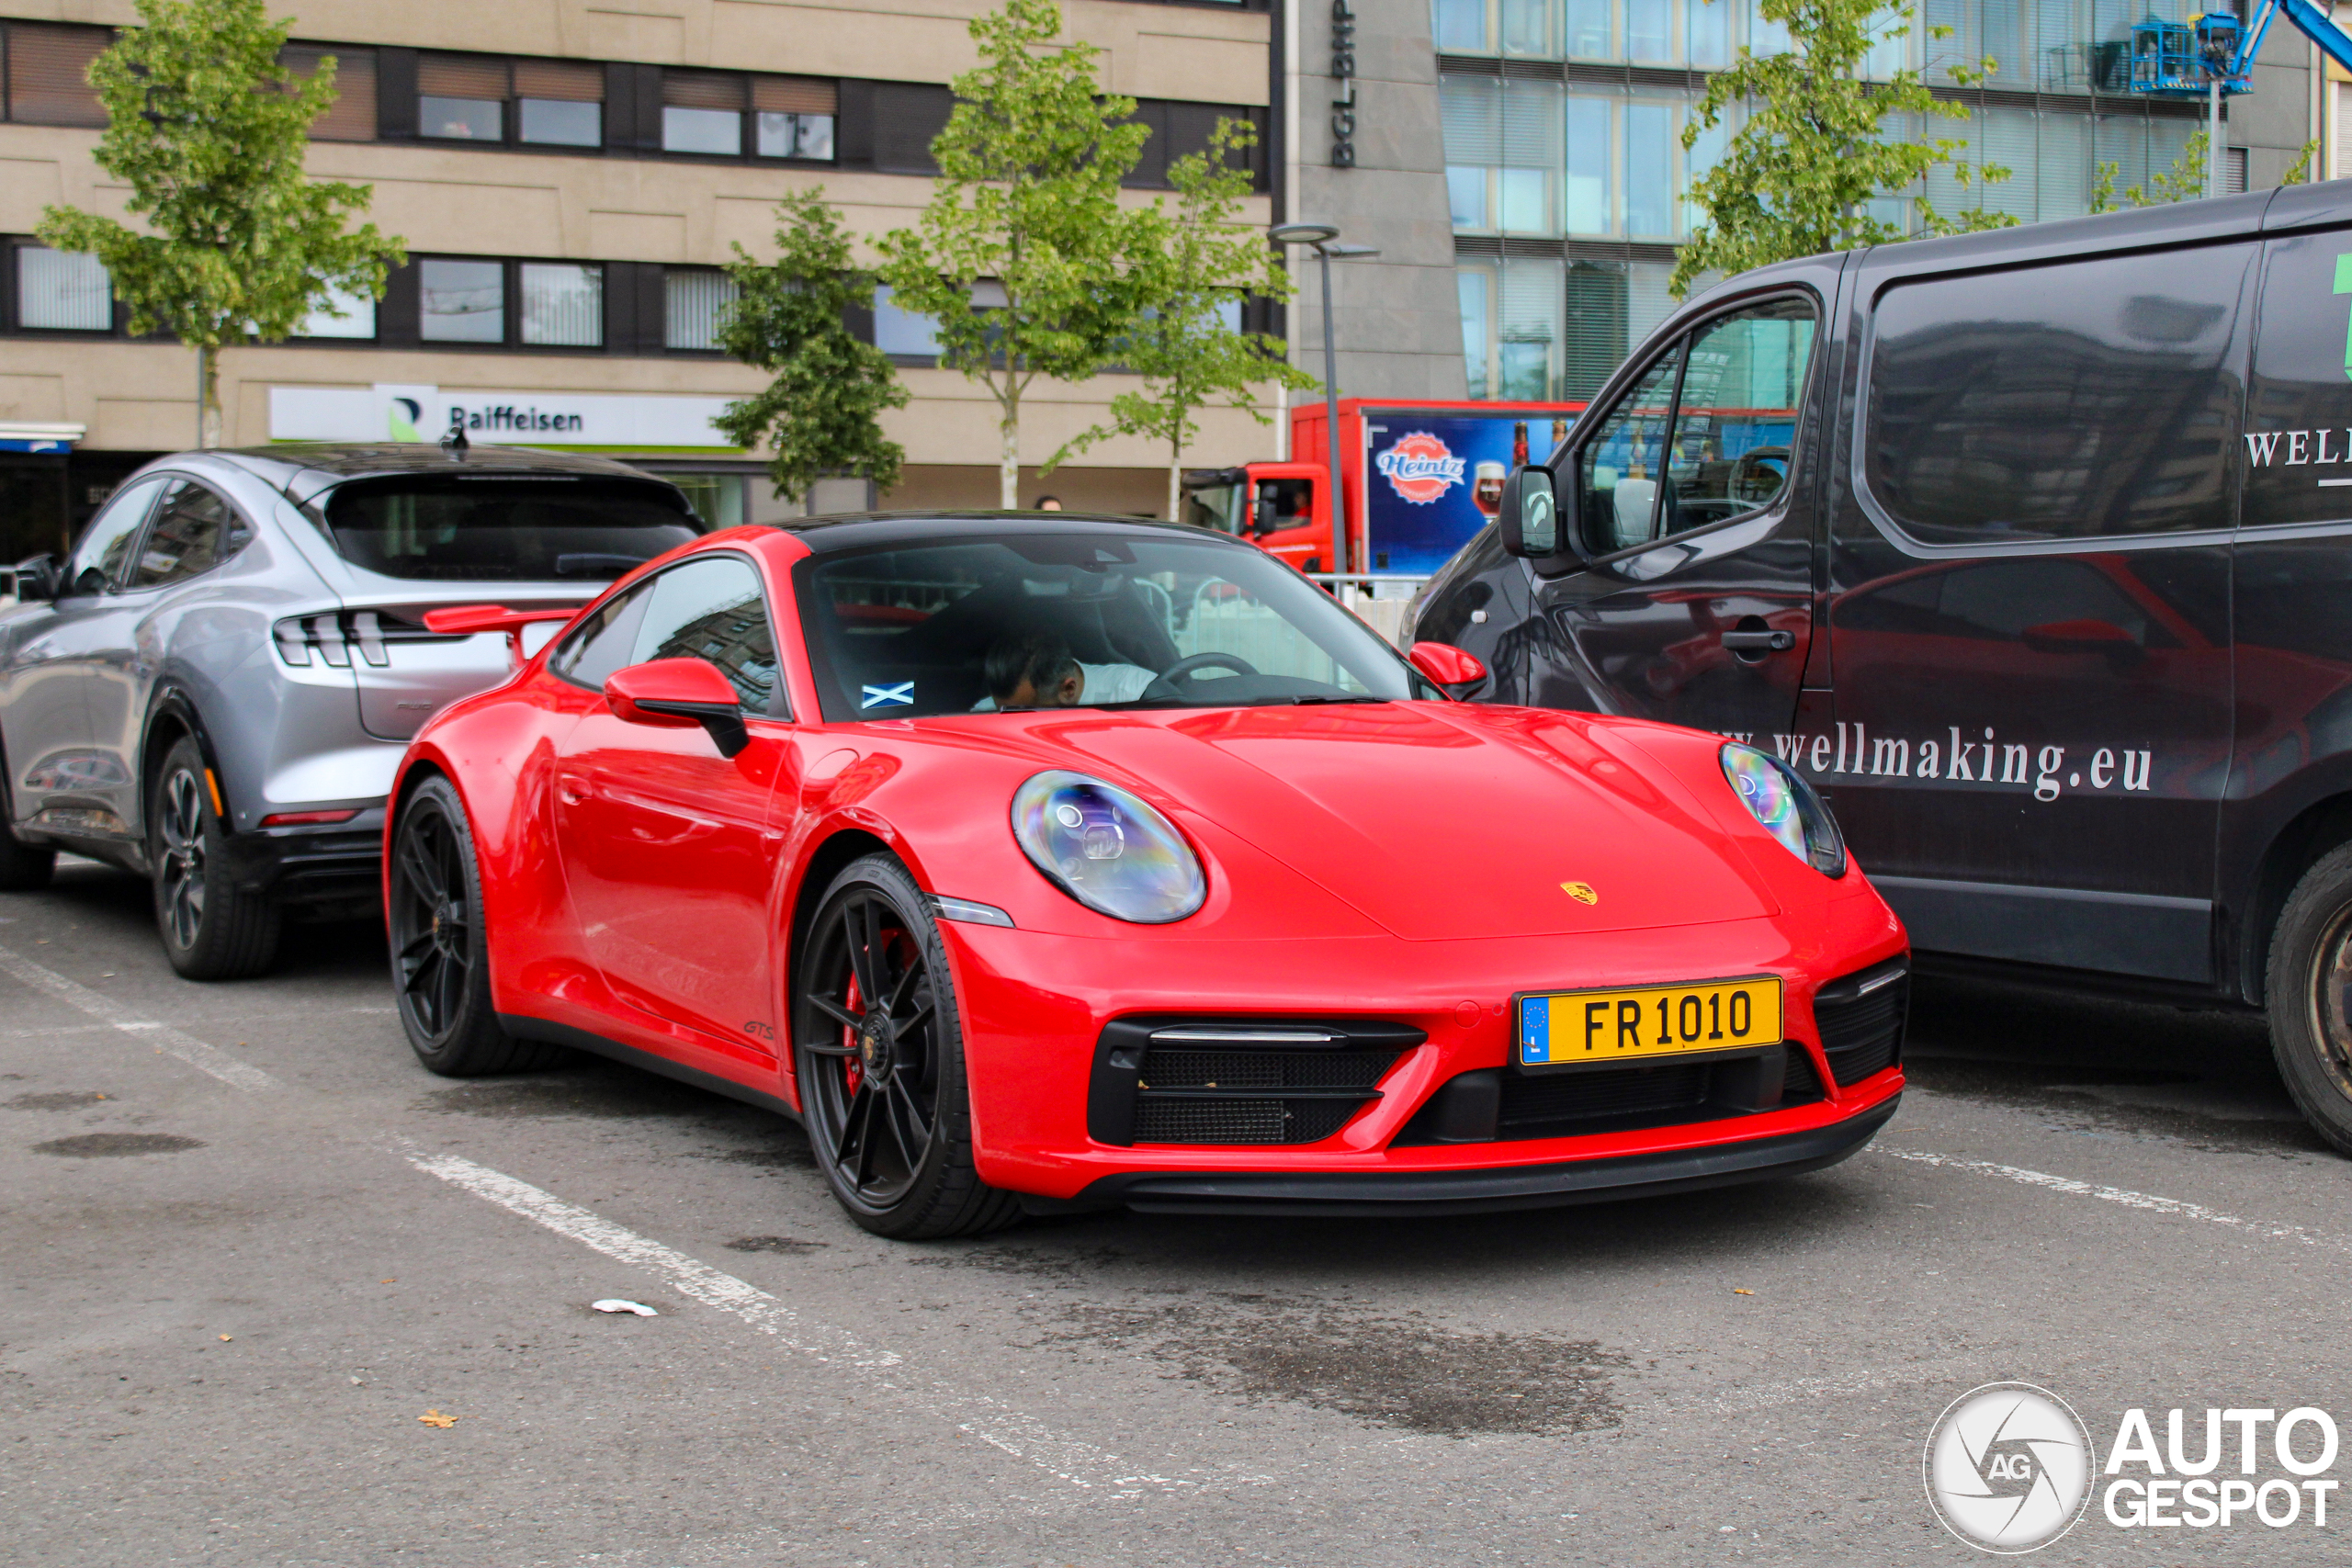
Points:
270	1293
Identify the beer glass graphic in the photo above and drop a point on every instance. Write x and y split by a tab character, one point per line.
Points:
1486	495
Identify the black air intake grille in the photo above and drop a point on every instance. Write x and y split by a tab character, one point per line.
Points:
1860	1018
1236	1081
1800	1084
1564	1105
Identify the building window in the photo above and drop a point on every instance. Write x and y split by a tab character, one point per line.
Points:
1460	26
48	73
902	332
705	112
693	300
559	103
352	115
1649	169
1707	33
563	305
1472	283
461	98
345	314
702	111
63	291
462	301
793	116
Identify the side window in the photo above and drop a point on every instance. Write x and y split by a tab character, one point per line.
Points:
602	643
1617	472
194	531
2082	399
712	608
1735	418
98	559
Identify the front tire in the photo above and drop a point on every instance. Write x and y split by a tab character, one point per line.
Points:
878	1051
441	946
212	930
2309	985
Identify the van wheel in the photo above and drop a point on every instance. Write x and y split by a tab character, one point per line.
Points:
24	868
212	930
2310	990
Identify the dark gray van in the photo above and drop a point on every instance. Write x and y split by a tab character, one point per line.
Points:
2032	550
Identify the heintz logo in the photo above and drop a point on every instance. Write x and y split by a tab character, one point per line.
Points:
1421	468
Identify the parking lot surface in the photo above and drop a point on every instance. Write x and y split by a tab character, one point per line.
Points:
275	1295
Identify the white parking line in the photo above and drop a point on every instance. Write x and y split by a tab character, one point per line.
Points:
204	1059
992	1420
2268	1228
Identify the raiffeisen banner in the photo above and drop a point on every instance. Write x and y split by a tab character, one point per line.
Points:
1436	480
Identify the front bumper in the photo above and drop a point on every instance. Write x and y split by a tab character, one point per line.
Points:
1037	1010
1408	1193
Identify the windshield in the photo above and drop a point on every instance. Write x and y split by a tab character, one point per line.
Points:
1108	620
506	528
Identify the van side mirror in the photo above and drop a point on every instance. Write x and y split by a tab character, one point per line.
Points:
1529	514
1261	519
678	693
1534	518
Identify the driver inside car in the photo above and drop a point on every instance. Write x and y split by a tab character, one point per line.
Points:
1036	669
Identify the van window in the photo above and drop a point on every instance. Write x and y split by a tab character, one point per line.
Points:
2297	450
2089	398
1735	418
1617	470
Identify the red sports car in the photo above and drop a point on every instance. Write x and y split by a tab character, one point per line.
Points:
1038	862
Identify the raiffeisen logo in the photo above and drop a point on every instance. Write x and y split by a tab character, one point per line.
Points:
1421	468
2009	1468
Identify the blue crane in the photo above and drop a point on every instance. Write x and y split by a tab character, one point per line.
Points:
2190	59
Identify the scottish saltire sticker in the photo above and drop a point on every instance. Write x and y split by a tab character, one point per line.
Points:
900	695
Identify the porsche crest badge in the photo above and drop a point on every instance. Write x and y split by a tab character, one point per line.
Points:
1580	891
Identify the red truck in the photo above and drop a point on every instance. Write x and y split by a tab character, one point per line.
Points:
1437	472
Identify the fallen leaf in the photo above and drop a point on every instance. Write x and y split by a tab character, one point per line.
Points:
391	1281
434	1418
1738	1291
224	1339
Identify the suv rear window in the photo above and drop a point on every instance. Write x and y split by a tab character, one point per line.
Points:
505	528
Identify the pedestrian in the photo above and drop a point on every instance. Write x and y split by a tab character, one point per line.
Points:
1049	503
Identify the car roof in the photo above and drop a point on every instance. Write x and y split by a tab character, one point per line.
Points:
857	530
281	463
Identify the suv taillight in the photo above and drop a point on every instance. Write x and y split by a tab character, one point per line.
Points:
333	638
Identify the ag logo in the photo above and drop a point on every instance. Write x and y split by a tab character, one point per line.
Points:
1420	467
2009	1468
1580	891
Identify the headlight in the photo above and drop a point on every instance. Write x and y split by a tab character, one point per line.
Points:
1777	796
1106	849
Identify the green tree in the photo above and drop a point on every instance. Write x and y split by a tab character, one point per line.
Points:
1204	263
1815	149
209	130
822	413
2185	181
1024	256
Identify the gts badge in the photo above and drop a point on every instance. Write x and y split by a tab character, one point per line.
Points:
759	1031
1580	891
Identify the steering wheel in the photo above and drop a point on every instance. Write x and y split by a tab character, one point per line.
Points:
1165	685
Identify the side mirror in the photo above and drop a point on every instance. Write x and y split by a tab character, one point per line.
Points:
33	578
678	693
1446	664
1530	518
1262	518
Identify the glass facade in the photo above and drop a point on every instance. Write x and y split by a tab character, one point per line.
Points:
1593	159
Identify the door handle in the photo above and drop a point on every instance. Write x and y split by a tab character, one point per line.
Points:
572	794
1760	642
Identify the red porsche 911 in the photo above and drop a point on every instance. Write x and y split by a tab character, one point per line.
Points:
1042	862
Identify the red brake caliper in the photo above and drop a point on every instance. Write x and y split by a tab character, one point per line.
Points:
852	1068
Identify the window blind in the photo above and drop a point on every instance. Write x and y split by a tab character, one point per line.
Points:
352	115
566	81
460	76
48	73
791	94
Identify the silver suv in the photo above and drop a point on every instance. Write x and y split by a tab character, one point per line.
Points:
213	689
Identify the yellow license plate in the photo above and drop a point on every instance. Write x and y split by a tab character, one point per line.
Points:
1572	1028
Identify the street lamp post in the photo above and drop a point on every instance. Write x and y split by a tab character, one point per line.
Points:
1323	238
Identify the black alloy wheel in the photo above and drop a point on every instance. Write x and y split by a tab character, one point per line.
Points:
212	930
880	1061
2308	988
440	946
